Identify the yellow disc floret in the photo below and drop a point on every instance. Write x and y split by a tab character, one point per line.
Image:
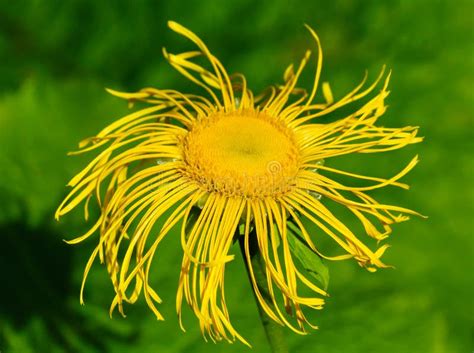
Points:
244	153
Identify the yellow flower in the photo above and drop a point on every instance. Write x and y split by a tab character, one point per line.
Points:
227	164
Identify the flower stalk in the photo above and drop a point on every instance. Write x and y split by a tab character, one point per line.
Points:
273	330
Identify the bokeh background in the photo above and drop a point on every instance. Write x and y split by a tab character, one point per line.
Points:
57	56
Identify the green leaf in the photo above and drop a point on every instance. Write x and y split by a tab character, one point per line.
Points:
310	260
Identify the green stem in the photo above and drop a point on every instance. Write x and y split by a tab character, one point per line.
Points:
273	330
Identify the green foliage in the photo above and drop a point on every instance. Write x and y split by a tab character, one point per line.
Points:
56	58
39	123
310	260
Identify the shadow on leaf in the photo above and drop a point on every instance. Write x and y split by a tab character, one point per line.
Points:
36	288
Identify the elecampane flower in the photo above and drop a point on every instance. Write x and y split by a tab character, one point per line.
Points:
228	164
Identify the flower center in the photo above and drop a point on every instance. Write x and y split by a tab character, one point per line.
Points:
243	153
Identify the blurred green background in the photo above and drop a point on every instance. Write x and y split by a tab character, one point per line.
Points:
57	56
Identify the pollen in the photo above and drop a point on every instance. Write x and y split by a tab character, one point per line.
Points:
245	153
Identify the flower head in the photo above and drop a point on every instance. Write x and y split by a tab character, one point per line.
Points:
227	165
